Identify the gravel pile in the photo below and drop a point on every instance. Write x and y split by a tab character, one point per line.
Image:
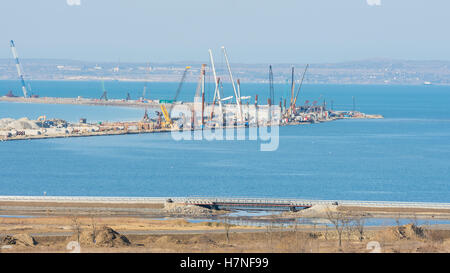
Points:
19	124
319	211
182	209
104	237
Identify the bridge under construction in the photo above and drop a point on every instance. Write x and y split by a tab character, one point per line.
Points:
224	202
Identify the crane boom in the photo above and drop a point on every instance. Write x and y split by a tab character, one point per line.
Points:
271	89
165	113
238	96
216	81
301	82
179	87
292	87
19	69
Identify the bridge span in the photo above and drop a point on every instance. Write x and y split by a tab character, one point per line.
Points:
226	202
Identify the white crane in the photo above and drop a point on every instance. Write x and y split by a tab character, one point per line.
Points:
238	96
216	81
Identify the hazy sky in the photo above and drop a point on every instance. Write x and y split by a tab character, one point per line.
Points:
254	31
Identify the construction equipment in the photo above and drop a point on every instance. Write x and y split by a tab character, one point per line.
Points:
271	89
19	69
166	114
298	90
144	91
239	91
104	95
292	88
179	88
238	95
168	123
146	117
200	94
216	90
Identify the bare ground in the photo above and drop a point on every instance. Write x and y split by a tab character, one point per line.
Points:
102	235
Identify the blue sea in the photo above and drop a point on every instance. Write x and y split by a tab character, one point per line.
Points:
403	157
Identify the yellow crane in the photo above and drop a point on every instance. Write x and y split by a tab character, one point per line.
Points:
168	121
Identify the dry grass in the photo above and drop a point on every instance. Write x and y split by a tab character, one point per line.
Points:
65	224
298	239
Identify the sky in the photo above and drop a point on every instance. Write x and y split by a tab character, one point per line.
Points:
253	31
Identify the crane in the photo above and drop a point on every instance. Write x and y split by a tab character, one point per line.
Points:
145	84
216	90
292	87
179	88
271	90
238	95
104	96
300	86
167	113
19	69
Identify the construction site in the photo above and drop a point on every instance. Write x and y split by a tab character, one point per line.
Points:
113	224
162	115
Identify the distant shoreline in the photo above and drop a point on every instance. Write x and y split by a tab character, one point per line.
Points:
190	80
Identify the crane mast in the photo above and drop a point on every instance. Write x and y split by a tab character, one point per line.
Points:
238	96
180	85
19	70
271	89
216	81
300	86
292	87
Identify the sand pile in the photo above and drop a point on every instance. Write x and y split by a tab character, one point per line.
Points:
104	237
19	240
178	208
314	211
4	122
20	124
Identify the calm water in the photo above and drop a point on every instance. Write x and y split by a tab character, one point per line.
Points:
404	157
